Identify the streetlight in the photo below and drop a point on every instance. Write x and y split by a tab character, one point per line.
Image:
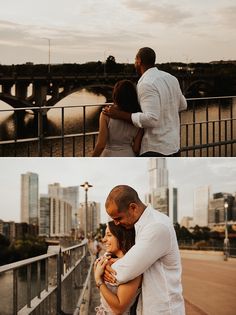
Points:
49	52
104	72
226	239
86	187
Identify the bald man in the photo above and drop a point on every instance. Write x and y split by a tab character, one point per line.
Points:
155	254
161	100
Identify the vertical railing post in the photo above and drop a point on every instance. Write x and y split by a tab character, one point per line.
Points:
59	272
84	129
29	285
40	132
15	287
62	130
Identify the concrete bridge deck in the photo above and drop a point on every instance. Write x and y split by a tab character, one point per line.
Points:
209	287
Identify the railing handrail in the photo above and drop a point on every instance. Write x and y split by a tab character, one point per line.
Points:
103	104
28	261
197	132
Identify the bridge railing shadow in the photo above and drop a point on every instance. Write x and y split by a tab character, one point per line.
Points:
208	128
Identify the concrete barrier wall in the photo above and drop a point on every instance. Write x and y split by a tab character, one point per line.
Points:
202	255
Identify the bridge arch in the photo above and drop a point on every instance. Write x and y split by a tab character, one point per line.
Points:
199	88
103	89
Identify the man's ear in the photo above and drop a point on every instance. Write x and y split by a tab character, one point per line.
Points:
133	206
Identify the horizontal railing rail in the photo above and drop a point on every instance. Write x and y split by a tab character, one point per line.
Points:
208	128
53	283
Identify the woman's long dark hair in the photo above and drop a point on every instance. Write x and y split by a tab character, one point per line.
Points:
125	237
125	96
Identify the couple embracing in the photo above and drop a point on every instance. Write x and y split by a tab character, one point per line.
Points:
143	266
142	121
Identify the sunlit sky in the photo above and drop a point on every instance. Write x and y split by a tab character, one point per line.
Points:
186	174
81	31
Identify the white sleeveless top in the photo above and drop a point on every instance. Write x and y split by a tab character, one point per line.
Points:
120	138
104	308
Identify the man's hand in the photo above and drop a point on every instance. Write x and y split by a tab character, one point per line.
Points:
114	112
111	111
109	273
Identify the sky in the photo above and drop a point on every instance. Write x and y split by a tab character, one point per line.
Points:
186	174
82	31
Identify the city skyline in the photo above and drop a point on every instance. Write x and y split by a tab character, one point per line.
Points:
186	174
82	31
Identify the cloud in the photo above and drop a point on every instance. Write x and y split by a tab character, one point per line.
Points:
227	16
152	12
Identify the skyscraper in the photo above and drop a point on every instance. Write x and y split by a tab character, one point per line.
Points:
161	196
68	194
201	204
93	216
29	198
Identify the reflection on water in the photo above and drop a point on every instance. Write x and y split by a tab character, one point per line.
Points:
25	125
207	123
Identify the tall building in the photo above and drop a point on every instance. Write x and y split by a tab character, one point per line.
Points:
29	198
161	196
201	203
44	215
68	194
158	173
217	214
93	216
55	216
60	217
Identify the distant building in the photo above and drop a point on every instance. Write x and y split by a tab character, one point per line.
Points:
55	216
68	194
44	215
93	217
7	229
23	229
161	196
201	202
187	222
217	213
29	198
60	217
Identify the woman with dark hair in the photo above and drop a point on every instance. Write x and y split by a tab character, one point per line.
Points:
116	299
117	137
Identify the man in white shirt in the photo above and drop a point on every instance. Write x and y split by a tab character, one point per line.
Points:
155	253
161	100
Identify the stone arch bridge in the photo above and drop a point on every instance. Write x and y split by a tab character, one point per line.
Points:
47	90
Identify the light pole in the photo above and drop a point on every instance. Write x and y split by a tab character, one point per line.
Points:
86	187
226	239
49	53
104	72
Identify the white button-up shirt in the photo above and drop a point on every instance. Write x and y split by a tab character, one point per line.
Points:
156	256
161	100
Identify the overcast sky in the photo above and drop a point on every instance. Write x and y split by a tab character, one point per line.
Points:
90	30
104	173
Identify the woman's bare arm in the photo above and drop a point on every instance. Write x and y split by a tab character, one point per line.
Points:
102	135
120	301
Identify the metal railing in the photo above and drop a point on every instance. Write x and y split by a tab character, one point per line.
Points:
208	128
54	283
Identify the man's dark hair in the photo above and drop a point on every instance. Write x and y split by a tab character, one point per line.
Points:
147	56
126	238
123	195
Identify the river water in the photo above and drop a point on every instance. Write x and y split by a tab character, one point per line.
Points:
73	123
